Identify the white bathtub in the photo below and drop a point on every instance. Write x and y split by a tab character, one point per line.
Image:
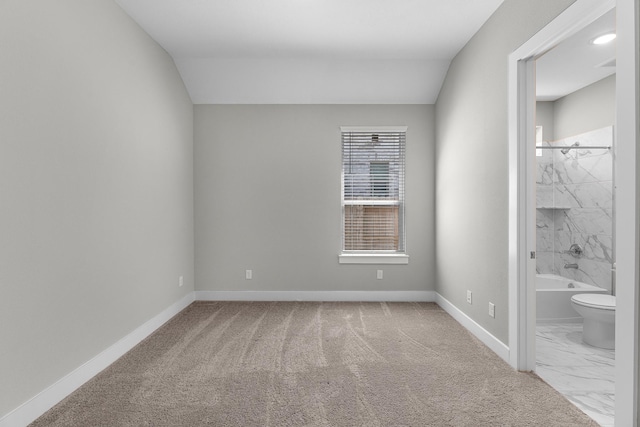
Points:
553	298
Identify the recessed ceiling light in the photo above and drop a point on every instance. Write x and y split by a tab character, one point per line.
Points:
604	39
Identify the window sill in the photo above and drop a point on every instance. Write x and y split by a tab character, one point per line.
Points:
373	259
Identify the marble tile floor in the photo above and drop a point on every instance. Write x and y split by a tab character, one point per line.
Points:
582	373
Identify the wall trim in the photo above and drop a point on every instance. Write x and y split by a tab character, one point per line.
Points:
49	397
368	296
497	346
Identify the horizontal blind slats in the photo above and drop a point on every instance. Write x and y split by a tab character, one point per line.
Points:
373	190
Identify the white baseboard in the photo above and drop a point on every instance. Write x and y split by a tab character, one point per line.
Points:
369	296
46	399
497	346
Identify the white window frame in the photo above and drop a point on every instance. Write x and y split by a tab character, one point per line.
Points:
377	256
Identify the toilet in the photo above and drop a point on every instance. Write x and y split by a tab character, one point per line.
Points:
599	314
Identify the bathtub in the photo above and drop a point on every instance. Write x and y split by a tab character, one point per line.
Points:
553	298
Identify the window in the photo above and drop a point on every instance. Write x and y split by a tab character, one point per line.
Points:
380	178
373	166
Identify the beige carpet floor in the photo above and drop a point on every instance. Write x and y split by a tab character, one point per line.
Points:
313	364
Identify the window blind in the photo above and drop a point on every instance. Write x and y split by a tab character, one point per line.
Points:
373	170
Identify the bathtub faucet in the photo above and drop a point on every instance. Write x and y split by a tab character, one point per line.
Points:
571	265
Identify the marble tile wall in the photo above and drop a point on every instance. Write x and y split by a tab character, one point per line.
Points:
574	195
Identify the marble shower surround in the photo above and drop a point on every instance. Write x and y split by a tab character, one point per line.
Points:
574	199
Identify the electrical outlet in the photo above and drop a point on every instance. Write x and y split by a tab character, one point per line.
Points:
248	274
469	297
492	309
379	276
180	281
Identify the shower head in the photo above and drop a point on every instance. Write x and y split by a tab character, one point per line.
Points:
566	150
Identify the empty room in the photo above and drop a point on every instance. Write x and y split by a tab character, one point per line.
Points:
319	213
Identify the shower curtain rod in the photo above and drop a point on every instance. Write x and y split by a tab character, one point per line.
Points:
572	147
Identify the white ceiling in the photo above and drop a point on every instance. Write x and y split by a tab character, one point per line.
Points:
311	51
576	62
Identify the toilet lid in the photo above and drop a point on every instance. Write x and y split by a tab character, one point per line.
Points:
601	301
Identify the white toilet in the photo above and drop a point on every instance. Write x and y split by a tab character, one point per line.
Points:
599	313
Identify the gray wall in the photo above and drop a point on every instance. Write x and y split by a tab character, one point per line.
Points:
267	191
545	118
96	187
592	107
472	163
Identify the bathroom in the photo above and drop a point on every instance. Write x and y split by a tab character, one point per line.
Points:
575	215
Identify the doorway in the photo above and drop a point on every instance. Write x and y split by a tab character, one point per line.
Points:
575	217
522	248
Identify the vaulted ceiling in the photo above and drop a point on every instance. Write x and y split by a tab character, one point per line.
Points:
311	51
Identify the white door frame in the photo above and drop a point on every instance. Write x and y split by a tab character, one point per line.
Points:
627	211
522	192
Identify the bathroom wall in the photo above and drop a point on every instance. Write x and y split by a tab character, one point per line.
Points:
545	118
96	187
575	205
592	107
589	108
